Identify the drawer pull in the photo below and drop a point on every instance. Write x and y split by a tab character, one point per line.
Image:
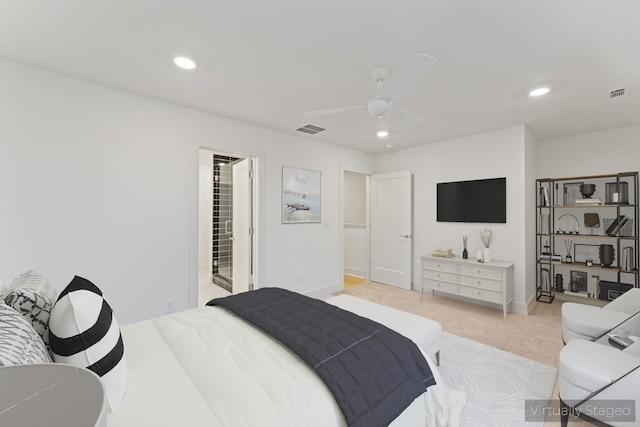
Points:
479	271
479	282
479	293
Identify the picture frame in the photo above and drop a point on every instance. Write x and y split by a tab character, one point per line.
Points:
571	192
582	253
301	195
578	282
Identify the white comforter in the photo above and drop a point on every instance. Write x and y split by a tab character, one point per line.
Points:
206	367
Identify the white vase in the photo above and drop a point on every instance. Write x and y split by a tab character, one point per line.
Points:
487	255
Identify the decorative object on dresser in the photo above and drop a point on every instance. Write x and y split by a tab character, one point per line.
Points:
491	283
605	249
465	254
443	252
486	236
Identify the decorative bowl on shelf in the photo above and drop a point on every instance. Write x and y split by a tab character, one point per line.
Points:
587	190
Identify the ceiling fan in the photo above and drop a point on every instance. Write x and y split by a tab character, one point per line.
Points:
382	105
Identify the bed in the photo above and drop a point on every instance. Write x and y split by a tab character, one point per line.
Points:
207	367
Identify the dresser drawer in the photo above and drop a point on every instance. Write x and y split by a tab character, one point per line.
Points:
438	285
433	264
481	271
481	282
440	276
483	294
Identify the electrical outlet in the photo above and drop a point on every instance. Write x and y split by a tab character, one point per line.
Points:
169	306
301	277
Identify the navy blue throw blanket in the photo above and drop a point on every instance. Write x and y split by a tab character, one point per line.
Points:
373	372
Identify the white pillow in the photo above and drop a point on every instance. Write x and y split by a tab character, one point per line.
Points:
19	343
84	332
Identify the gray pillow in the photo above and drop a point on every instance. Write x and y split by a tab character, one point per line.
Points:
19	343
32	295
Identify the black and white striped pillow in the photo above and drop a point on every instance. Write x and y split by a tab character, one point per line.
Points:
83	331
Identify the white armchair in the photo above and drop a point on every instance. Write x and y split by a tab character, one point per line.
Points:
599	382
596	379
588	322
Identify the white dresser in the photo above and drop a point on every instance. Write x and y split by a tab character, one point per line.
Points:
491	282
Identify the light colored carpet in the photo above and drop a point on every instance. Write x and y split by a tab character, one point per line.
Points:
496	382
536	336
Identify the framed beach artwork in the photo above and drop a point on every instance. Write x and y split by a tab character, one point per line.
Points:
300	195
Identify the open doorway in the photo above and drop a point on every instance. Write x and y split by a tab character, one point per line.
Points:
377	242
356	233
226	228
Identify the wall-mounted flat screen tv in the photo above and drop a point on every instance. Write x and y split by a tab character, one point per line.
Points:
481	200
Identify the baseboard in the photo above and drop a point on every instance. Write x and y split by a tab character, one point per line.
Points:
324	291
355	272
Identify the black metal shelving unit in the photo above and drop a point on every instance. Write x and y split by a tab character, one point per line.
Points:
560	226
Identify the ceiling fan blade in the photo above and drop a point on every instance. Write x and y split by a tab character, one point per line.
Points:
331	111
395	111
419	65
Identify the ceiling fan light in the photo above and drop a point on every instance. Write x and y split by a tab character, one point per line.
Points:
539	91
378	107
184	62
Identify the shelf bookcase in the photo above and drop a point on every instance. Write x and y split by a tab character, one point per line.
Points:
565	244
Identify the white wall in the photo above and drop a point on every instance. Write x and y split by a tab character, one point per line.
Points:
530	175
610	151
104	184
488	155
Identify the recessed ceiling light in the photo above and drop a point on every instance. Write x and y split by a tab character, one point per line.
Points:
388	145
539	91
382	133
184	62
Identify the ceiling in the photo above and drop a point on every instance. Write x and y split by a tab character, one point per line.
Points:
268	62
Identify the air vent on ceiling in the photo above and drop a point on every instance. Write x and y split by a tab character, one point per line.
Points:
618	93
310	129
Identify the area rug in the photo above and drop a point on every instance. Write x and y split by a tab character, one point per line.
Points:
496	382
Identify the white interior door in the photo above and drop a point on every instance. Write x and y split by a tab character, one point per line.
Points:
391	228
241	232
